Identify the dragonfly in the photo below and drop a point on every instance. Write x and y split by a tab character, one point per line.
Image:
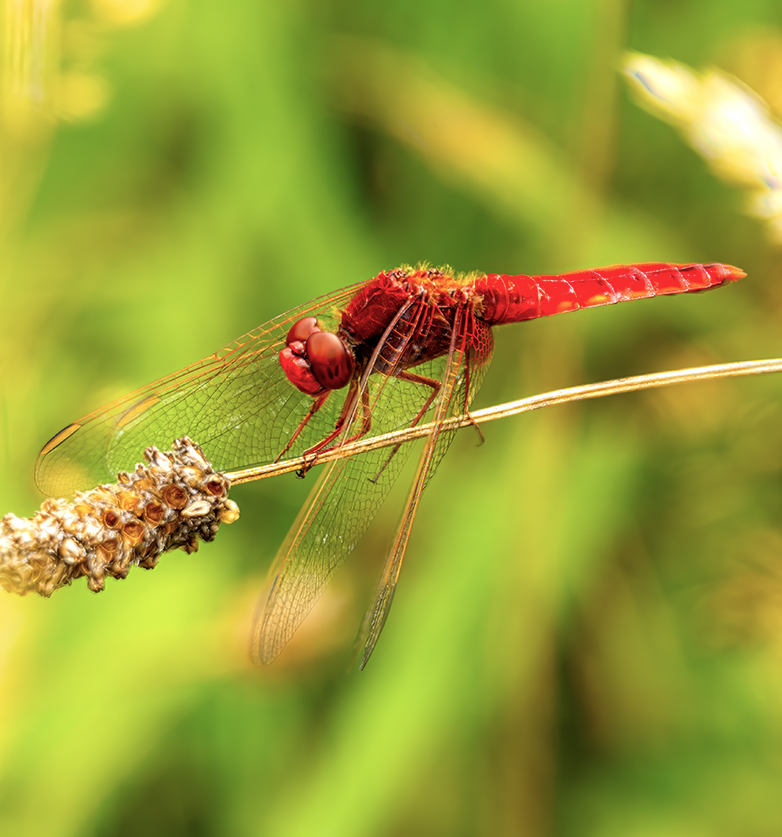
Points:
410	346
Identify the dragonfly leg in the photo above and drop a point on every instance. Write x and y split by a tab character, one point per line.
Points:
347	410
477	427
466	405
421	380
315	406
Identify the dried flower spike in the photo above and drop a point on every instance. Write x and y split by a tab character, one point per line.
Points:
175	500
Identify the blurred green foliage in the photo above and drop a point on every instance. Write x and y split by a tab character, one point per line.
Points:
586	637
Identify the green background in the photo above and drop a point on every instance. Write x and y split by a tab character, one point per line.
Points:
586	635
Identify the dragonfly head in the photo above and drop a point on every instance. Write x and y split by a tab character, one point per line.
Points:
316	361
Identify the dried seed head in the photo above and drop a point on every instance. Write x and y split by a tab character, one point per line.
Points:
153	513
174	496
109	548
128	501
215	487
229	512
172	503
110	519
191	476
197	509
133	532
71	552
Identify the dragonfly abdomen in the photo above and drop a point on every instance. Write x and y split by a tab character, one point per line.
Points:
512	299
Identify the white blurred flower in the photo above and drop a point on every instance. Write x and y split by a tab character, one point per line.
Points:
723	120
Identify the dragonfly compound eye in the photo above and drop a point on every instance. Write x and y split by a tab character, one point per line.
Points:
330	359
302	330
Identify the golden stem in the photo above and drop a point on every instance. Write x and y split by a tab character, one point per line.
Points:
524	405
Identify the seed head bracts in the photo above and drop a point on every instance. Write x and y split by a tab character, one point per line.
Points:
172	502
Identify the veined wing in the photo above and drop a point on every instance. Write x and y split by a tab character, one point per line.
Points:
345	501
237	404
466	366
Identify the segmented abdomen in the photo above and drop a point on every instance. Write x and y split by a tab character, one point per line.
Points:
511	299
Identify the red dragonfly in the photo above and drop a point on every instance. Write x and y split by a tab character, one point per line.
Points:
383	355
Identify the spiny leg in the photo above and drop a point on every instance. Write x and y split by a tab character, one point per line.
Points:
466	404
421	380
314	407
324	444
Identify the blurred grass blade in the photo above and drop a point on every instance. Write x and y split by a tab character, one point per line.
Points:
723	120
495	154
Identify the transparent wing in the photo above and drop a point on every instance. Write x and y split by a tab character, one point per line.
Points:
237	404
348	495
463	376
340	508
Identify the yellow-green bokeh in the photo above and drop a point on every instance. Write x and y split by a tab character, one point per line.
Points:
585	638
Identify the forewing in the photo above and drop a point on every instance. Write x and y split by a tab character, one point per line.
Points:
237	404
